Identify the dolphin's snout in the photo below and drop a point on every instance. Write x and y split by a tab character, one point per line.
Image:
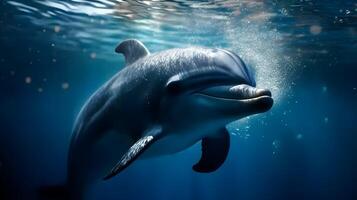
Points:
259	100
263	92
241	92
246	91
264	103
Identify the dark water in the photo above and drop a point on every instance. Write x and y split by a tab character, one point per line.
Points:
54	54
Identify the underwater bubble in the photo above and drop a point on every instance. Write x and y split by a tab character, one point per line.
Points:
326	119
93	55
40	90
284	11
276	144
299	136
65	86
261	47
240	128
324	51
315	29
57	28
28	80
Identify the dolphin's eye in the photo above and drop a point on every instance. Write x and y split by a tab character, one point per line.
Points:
173	85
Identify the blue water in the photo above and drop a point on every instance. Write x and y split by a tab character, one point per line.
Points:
54	54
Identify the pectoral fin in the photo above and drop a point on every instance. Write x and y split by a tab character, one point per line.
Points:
135	151
214	152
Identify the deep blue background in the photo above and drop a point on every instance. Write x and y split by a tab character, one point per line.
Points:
304	148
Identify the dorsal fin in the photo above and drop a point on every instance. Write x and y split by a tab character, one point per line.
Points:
132	50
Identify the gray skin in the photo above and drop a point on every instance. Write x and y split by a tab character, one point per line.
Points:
159	104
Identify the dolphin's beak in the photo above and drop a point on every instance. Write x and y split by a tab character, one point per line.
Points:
255	100
241	91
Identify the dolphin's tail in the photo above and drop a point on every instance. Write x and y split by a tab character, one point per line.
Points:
54	192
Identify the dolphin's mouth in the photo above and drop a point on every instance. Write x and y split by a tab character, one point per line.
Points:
242	93
237	92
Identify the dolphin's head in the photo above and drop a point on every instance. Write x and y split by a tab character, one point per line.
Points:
218	92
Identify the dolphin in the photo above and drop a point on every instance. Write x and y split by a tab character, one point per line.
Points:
159	104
